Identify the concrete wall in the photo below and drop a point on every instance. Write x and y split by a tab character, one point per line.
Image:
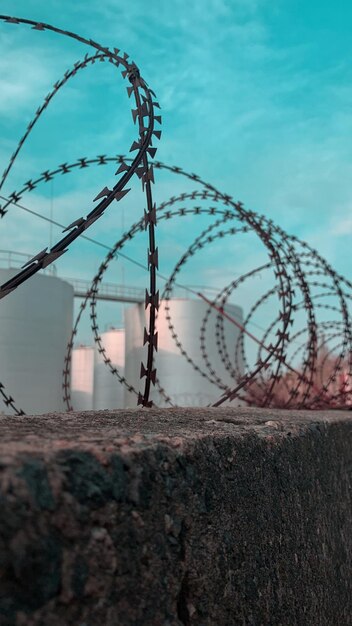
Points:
176	517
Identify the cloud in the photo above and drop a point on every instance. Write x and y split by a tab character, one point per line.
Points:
28	70
20	81
248	109
342	227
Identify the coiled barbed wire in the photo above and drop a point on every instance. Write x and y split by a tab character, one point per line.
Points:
312	259
276	378
145	108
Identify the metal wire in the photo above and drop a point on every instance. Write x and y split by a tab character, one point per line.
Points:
303	360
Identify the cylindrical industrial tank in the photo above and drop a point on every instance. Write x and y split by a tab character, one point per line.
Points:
35	326
82	378
182	383
108	391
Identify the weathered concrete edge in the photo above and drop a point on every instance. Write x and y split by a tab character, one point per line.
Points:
253	456
140	428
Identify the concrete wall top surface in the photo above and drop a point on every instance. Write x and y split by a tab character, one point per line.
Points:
176	425
176	517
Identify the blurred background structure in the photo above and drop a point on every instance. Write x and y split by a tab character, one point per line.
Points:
36	325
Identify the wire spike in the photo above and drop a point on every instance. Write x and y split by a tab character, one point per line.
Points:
123	168
150	217
104	192
153	258
121	194
90	220
78	223
37	257
135	146
52	256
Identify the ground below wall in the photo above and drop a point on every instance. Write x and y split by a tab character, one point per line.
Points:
177	517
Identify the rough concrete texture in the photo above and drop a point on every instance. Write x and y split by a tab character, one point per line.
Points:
176	517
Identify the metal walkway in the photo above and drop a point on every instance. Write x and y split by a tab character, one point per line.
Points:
11	259
107	291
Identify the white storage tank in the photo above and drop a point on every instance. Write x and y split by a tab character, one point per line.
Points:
82	378
182	383
108	391
35	326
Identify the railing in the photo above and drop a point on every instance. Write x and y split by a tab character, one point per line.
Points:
123	293
10	259
107	291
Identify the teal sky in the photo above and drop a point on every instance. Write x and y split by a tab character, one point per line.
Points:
256	98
